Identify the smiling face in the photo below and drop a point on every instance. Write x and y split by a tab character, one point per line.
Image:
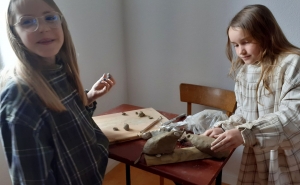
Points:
245	46
45	41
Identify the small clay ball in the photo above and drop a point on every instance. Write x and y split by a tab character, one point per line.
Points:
141	114
177	134
126	127
146	135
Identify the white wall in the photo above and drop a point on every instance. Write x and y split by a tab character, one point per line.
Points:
173	41
97	32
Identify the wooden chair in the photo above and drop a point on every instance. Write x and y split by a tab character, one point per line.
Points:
208	96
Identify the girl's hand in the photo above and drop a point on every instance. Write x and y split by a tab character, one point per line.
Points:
213	132
101	87
229	140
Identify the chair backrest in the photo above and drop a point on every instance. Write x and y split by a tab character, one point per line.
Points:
213	97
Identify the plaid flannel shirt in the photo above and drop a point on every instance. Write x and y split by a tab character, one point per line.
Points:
270	124
45	147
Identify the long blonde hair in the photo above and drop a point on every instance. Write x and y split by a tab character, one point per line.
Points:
260	23
28	68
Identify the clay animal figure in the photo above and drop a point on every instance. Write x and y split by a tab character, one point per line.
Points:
162	144
203	143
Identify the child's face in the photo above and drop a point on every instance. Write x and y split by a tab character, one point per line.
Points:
246	47
45	41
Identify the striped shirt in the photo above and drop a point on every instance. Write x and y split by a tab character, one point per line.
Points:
269	124
44	147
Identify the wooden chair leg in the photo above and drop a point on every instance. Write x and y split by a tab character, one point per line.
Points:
161	180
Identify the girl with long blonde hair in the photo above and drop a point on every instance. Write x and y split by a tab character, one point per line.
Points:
46	126
267	91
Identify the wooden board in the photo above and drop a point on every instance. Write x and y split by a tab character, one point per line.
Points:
179	155
136	124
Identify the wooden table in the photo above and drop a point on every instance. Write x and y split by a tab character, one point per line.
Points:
197	172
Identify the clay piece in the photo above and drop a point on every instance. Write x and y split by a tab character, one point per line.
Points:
159	144
150	117
115	129
141	114
203	143
126	127
146	135
162	144
124	114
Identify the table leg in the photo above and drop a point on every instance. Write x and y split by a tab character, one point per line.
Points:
128	174
161	180
219	178
177	183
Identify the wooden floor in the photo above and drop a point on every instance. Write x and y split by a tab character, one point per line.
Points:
138	177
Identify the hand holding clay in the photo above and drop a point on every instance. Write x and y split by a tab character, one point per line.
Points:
213	132
203	143
229	140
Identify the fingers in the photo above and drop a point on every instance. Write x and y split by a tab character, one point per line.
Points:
109	78
108	81
216	146
106	84
213	132
218	140
220	143
216	136
228	140
221	146
207	132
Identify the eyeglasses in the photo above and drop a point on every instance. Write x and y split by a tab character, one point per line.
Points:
31	24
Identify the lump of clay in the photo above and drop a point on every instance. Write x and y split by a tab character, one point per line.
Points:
146	135
203	143
162	144
115	129
126	127
141	114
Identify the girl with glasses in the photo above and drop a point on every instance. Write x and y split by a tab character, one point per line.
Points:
46	127
267	89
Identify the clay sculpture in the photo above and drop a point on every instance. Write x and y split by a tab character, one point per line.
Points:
162	144
203	143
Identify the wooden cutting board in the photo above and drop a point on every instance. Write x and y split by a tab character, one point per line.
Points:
136	124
